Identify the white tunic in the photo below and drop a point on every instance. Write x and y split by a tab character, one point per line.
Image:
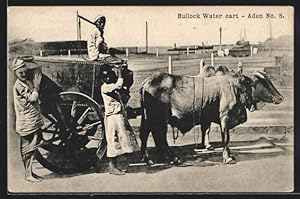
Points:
119	135
95	44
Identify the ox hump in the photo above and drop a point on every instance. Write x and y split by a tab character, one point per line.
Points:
159	80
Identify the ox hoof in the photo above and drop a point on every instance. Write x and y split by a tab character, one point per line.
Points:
176	161
209	147
229	160
148	161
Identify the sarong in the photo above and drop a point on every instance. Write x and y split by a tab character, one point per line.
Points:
29	143
119	135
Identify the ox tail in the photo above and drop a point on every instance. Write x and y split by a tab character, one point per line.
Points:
142	97
142	101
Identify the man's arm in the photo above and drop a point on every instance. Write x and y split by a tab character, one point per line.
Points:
108	88
30	96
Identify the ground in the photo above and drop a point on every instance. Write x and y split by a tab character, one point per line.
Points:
265	164
264	158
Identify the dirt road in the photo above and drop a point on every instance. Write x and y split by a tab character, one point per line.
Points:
265	164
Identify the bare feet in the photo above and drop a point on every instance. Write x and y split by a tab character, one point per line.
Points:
209	147
116	171
36	176
32	179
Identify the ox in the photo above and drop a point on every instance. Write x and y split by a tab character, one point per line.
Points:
263	91
184	102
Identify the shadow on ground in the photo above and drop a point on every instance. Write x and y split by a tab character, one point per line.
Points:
242	150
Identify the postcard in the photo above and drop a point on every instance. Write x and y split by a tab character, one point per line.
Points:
150	99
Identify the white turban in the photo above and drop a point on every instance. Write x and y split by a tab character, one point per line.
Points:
18	63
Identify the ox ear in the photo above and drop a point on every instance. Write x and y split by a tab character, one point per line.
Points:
240	70
258	74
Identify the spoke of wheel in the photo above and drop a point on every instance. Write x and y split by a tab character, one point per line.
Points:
73	109
48	126
82	132
53	139
50	131
49	147
88	127
52	154
51	118
61	116
83	116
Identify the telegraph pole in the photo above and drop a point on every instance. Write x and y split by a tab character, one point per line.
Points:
146	37
77	23
78	32
270	31
270	38
220	47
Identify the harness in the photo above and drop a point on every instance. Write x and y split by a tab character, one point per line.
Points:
255	107
255	104
196	135
175	133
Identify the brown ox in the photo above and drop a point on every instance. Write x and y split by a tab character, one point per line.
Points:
184	102
263	91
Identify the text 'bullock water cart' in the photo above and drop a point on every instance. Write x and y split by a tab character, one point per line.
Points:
73	110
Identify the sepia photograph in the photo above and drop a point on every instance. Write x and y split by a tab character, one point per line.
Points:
150	99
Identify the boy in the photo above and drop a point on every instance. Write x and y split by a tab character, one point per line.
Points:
28	117
119	135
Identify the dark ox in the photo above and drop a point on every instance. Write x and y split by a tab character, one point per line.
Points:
184	102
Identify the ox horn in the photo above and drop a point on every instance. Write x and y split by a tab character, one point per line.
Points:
259	74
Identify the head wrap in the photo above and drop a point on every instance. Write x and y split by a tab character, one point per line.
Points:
18	63
109	77
98	17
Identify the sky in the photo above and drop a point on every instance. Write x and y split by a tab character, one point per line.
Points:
126	24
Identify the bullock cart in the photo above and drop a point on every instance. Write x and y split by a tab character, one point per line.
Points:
73	136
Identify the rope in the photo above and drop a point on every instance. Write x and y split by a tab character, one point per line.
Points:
255	103
175	135
93	81
194	122
196	135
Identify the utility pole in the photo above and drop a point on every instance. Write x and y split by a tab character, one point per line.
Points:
146	37
270	39
78	32
220	47
77	23
270	31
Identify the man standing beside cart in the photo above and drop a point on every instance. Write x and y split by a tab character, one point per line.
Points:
28	115
119	135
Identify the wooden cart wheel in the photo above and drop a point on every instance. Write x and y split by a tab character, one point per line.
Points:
72	133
